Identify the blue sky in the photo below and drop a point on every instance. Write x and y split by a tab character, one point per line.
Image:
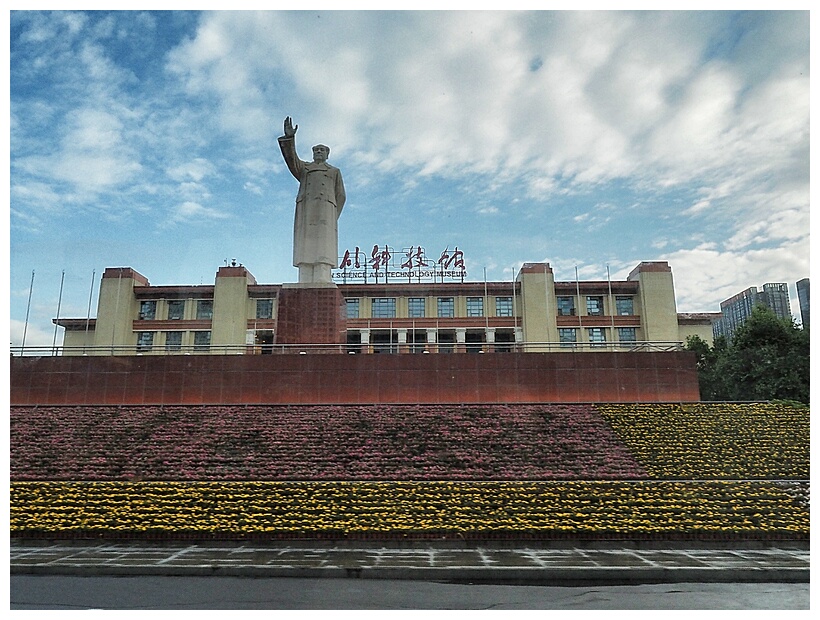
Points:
586	139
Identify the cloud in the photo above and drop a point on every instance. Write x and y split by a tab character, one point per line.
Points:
35	335
699	118
700	205
612	92
92	155
193	191
258	167
21	220
227	59
41	27
195	170
543	103
44	195
593	221
252	188
786	223
705	276
195	212
86	128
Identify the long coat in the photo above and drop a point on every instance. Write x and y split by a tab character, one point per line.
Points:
319	203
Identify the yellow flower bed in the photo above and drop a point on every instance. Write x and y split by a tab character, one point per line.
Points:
240	508
711	440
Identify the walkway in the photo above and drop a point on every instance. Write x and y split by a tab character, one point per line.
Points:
564	566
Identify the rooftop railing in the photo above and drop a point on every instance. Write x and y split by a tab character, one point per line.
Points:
351	349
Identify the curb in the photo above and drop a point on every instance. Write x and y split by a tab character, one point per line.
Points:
572	576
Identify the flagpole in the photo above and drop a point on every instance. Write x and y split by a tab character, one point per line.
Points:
116	312
28	308
88	313
578	292
611	305
515	316
486	304
57	320
547	303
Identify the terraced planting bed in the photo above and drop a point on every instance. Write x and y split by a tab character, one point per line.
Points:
529	472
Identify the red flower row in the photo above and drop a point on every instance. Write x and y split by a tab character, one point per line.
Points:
390	442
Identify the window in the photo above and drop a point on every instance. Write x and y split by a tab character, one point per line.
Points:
623	306
503	306
595	305
384	342
597	336
204	309
415	307
446	342
264	308
567	336
504	341
145	341
416	340
264	340
383	308
148	310
474	341
566	306
176	309
475	306
202	341
354	341
446	307
627	335
173	341
352	308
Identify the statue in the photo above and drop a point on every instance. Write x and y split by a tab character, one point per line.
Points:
319	203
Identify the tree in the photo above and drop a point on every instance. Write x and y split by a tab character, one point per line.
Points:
767	359
706	362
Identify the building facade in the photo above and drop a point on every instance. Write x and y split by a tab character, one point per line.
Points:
533	313
736	310
803	299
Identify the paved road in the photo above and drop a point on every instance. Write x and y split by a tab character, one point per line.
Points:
185	593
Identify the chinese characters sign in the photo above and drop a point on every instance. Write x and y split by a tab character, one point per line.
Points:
413	264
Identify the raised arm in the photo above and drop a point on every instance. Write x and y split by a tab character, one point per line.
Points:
287	144
290	130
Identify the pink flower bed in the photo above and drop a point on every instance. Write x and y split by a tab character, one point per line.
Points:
380	442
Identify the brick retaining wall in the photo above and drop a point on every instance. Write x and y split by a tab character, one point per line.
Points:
356	379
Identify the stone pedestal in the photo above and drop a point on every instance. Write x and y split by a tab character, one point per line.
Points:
310	315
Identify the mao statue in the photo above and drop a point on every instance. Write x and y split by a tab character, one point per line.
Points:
319	203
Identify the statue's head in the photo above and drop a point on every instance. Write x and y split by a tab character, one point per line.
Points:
320	153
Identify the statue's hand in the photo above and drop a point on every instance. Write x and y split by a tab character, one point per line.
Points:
290	130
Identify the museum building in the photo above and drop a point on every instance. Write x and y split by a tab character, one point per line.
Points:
533	313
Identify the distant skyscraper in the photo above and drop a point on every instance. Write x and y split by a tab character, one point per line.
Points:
737	309
803	298
776	298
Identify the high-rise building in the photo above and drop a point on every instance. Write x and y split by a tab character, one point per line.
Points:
803	299
736	310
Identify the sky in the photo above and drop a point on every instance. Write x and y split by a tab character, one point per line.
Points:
591	140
